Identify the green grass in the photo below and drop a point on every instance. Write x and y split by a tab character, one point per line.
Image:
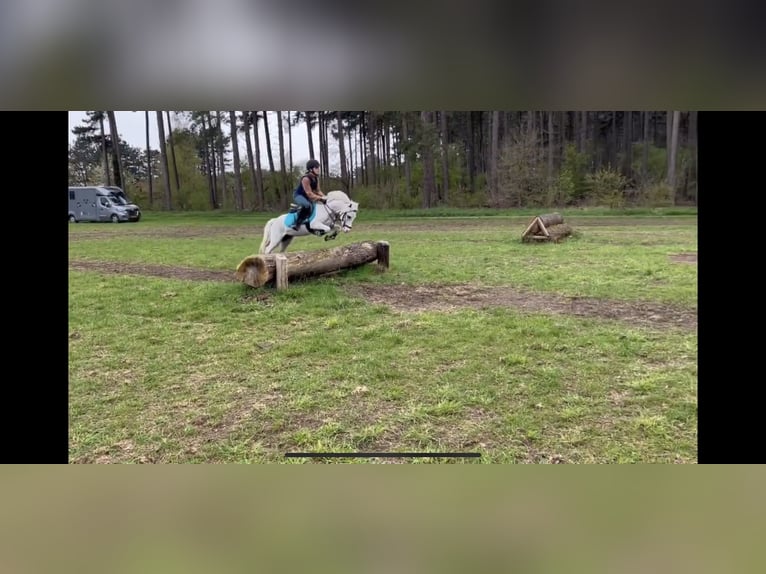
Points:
173	371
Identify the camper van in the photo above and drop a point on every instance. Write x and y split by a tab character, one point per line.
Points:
101	203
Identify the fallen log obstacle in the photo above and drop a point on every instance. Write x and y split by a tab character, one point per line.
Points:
547	227
279	268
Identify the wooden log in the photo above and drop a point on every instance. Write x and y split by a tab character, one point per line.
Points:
551	219
382	255
280	271
558	232
258	270
533	227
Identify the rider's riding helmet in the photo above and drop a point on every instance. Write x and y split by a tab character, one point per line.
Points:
311	164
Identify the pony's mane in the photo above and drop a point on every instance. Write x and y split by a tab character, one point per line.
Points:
338	194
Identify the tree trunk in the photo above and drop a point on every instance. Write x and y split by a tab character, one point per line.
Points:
494	153
645	159
239	196
429	181
309	118
675	116
289	143
250	158
612	146
668	129
164	157
221	157
627	169
371	157
149	161
259	171
326	150
259	270
282	170
469	156
268	142
107	172
213	159
206	131
362	162
173	151
445	157
118	176
550	146
693	150
406	146
342	148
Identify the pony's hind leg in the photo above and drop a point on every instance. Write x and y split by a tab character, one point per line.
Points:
283	245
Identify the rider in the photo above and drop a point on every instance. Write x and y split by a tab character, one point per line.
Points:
307	192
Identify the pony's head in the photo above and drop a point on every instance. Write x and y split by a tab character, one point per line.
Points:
346	209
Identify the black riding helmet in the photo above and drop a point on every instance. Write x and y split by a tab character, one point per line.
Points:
311	164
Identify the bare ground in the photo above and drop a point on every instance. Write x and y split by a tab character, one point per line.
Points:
97	231
413	298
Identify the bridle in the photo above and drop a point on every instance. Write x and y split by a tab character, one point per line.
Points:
341	216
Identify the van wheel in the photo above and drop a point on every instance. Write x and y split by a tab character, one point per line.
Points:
115	219
72	219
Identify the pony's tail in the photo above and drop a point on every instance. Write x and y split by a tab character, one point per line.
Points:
265	241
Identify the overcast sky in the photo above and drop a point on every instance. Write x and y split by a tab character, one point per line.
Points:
132	129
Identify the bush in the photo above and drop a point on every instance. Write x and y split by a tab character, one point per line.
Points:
570	186
657	195
522	179
606	187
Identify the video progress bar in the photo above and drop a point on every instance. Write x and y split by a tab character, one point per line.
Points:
382	455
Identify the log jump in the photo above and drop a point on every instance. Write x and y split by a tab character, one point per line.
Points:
547	227
279	268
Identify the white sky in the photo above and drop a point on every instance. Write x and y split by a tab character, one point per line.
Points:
132	128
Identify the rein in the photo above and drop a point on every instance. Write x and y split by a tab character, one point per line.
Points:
337	216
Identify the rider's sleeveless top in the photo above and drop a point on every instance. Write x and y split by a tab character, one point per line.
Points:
300	191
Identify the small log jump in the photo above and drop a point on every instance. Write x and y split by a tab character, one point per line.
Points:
279	268
547	227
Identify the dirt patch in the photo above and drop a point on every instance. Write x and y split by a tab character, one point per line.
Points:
167	233
414	298
165	271
684	258
447	297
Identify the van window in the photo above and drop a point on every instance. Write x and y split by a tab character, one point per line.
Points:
71	194
104	202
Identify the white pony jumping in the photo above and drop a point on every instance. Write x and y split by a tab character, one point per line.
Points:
326	219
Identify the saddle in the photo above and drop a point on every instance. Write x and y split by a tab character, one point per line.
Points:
302	215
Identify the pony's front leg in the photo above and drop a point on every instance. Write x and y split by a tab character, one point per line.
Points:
319	227
333	235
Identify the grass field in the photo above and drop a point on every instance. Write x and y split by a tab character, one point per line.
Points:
578	352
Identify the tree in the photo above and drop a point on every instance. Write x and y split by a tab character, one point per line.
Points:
83	158
253	116
427	151
268	141
221	144
164	159
235	153
250	159
290	142
494	154
149	161
673	149
445	156
309	118
342	148
117	157
173	151
282	158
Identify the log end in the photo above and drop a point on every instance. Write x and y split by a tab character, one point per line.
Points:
252	271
